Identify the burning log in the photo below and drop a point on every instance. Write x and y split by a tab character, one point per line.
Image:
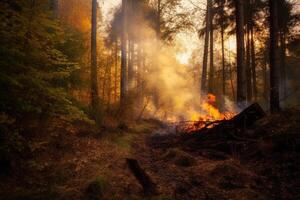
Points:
248	116
143	178
245	119
224	135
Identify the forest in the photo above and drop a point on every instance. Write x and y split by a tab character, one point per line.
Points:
149	99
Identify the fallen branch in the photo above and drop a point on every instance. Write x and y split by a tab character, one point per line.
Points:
144	179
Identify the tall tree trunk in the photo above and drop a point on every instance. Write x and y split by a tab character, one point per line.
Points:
123	54
231	82
130	65
274	57
116	72
205	55
139	74
94	71
223	50
155	90
104	78
131	42
282	64
211	52
248	67
241	69
265	77
253	57
231	74
143	64
253	64
109	73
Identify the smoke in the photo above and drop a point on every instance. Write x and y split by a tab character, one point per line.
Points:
171	93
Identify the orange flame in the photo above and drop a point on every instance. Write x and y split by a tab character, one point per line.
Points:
210	111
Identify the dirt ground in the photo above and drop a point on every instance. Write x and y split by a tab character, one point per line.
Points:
73	165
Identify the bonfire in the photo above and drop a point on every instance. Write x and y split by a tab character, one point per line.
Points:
208	116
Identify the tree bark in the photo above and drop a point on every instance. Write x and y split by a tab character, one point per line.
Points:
241	69
223	50
109	74
116	72
231	75
94	70
248	67
274	57
265	77
253	64
131	64
231	83
205	55
139	76
253	57
282	64
211	52
123	54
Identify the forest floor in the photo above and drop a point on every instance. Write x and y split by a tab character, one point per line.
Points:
82	165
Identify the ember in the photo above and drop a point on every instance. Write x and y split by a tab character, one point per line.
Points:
208	116
244	119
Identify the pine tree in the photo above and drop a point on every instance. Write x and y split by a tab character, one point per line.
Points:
274	57
94	70
241	69
205	53
123	53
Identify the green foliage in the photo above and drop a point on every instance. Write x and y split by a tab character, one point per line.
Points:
39	59
39	62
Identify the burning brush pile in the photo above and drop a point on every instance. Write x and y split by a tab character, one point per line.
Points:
224	134
218	132
209	116
244	156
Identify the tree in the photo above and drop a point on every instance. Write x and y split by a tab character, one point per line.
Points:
168	19
285	24
274	57
252	47
39	58
123	53
248	57
128	25
205	53
222	19
241	69
94	72
211	49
